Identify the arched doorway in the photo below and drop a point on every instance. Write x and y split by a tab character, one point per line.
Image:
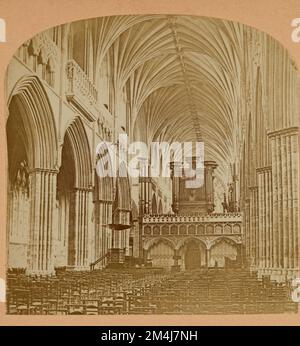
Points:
193	253
192	258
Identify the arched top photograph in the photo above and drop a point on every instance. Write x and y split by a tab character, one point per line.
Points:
197	201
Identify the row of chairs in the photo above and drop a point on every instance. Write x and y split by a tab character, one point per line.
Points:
146	291
220	291
98	292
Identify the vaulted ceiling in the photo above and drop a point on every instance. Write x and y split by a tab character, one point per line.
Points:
182	75
190	78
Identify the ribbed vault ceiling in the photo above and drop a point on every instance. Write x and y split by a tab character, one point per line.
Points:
183	78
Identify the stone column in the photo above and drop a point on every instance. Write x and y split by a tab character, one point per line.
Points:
207	255
175	186
254	233
141	196
81	226
284	151
260	225
136	239
269	218
279	201
127	241
90	227
148	194
210	166
247	228
293	153
251	228
103	213
284	202
239	255
275	204
41	236
144	187
264	217
256	226
145	256
206	258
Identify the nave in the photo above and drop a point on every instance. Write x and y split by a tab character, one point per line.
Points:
160	81
148	291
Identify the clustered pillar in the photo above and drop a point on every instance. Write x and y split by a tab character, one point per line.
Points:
103	233
272	225
82	202
43	192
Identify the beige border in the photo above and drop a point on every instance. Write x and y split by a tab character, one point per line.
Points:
26	18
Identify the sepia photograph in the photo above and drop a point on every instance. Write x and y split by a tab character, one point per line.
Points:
152	168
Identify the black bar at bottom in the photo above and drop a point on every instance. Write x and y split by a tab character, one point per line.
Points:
87	336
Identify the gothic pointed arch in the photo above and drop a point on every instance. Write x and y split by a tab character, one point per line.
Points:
157	240
30	109
32	168
187	240
77	139
232	241
74	184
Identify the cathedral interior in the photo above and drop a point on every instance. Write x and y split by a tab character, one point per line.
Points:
79	243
